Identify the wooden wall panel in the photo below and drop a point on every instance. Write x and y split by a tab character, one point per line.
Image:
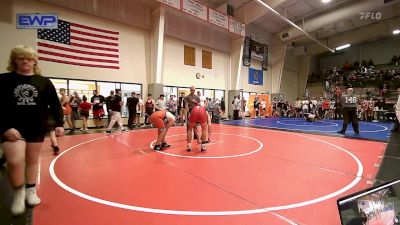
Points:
190	56
207	59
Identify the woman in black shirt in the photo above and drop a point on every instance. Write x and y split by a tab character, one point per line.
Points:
28	100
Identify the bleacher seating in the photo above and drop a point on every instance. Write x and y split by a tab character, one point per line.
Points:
379	82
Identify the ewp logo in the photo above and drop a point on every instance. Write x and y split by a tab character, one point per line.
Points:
37	21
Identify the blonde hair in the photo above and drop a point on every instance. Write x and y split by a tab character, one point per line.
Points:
22	51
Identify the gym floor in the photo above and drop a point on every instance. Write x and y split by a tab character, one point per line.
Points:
247	176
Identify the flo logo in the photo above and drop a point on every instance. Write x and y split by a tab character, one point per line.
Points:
26	94
370	15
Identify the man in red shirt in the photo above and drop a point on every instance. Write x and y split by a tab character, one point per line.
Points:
325	108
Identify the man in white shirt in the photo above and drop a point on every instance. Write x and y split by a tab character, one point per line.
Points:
161	103
236	107
305	106
202	98
297	106
139	110
264	105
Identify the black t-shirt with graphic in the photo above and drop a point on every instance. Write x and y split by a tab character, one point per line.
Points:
28	101
97	102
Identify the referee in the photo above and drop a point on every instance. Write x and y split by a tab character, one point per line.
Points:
349	104
397	112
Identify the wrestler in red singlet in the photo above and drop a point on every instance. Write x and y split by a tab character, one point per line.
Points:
197	115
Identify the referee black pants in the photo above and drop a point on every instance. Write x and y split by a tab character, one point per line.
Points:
131	118
396	126
235	114
350	114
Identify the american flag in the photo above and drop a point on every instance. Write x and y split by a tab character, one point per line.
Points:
79	45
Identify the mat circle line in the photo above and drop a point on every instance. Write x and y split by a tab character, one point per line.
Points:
306	125
207	213
260	147
323	131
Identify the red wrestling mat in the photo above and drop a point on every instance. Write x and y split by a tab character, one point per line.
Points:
247	176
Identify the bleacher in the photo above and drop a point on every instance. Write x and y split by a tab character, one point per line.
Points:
379	82
368	79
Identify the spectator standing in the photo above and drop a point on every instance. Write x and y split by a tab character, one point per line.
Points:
236	107
75	101
149	108
171	105
84	108
139	110
161	104
116	105
181	108
298	107
131	104
256	105
108	106
98	110
223	105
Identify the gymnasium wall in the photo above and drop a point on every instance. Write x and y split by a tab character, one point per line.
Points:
175	73
294	75
134	44
290	77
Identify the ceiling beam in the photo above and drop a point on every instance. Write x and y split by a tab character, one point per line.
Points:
340	14
251	11
358	35
294	25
